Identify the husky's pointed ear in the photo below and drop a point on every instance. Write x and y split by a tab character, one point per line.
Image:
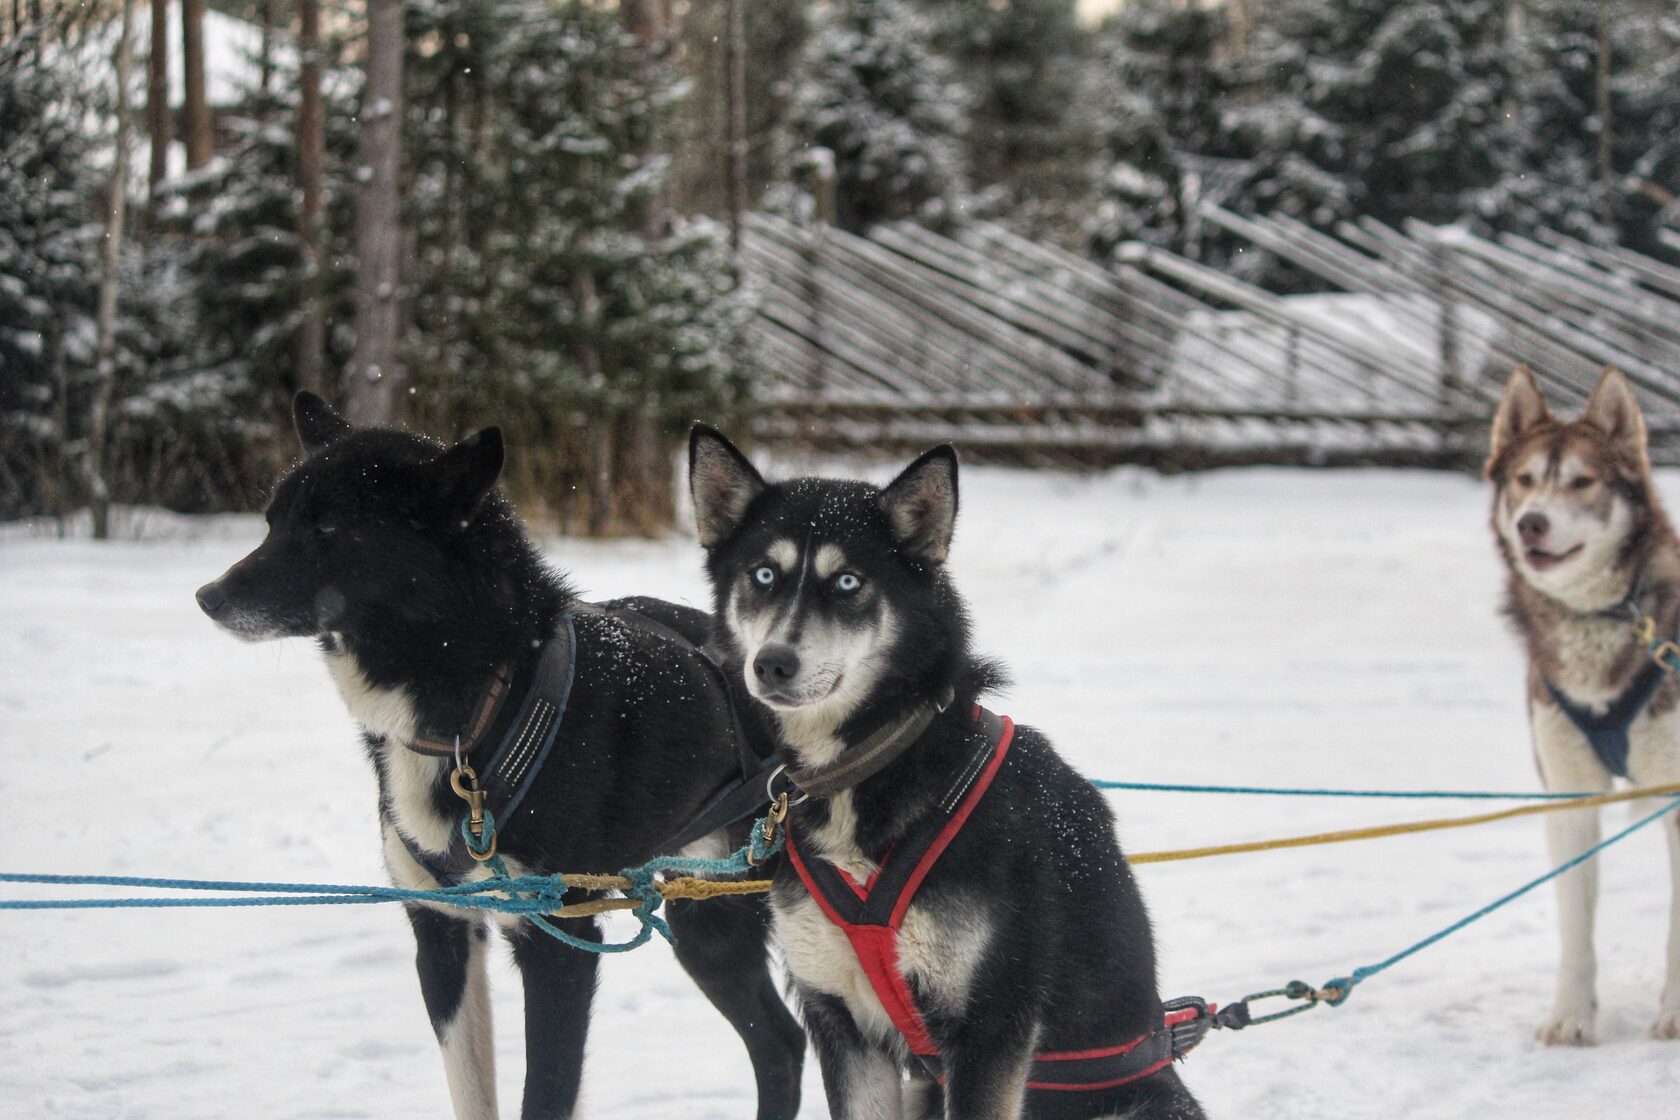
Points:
721	481
1614	410
317	424
1521	410
921	504
466	473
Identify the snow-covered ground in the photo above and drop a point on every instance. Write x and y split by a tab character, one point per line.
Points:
1263	627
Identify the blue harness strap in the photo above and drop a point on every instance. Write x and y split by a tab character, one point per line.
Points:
1608	732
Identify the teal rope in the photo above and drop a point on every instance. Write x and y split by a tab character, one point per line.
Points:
1342	986
1284	791
529	896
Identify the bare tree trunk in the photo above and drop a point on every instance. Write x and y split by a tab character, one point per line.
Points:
375	377
736	61
633	464
99	419
645	19
160	123
311	147
1606	188
201	141
265	48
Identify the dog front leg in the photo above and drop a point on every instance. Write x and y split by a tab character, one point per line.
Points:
860	1079
559	984
1668	1015
1575	1010
454	981
722	945
986	1070
1567	763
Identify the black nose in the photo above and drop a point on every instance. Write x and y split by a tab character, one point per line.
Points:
210	598
776	664
1532	526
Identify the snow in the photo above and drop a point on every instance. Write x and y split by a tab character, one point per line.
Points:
1268	627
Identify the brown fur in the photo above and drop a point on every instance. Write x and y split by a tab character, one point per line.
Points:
1650	549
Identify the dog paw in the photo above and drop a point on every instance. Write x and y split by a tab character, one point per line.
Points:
1568	1030
1667	1025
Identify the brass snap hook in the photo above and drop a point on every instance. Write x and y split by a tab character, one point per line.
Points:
773	818
464	781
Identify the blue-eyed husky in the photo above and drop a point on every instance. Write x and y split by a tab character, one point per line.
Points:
592	738
965	938
1590	552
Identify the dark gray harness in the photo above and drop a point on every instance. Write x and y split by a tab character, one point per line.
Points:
521	752
1608	733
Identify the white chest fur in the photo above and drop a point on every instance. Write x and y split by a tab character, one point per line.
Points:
407	778
1587	650
940	943
939	948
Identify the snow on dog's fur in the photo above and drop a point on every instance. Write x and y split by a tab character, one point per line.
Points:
1029	933
400	557
1586	543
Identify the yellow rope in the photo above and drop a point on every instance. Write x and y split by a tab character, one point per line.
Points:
701	889
684	887
1376	831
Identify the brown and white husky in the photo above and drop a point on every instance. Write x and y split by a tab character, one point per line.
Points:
1589	550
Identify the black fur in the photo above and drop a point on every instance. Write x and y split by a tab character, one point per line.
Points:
1070	963
396	551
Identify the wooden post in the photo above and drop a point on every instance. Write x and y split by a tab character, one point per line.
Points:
376	378
825	204
105	324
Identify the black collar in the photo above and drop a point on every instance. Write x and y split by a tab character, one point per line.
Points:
879	750
1627	609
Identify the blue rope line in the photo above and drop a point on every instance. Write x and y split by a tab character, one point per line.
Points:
1345	984
1284	791
529	896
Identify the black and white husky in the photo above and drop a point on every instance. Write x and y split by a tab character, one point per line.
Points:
1590	551
965	937
401	558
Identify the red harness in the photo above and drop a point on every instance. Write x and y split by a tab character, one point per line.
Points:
870	915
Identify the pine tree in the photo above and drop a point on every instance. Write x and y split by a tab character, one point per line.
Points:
230	249
775	36
1029	134
1552	176
553	294
1167	147
48	279
874	92
1413	94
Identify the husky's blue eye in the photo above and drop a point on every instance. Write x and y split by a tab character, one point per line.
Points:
846	583
764	576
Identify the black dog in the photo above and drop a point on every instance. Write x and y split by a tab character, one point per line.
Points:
441	624
955	905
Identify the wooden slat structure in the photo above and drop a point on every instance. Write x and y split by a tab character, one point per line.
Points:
1022	351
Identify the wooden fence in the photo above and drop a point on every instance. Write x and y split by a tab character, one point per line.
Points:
1022	351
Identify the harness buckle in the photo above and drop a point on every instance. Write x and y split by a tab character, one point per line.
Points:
464	781
1188	1020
